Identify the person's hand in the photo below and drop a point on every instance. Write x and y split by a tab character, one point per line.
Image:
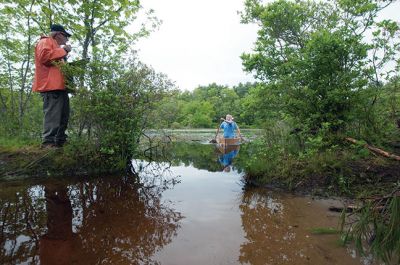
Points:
67	48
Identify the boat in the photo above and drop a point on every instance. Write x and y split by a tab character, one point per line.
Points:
226	145
228	141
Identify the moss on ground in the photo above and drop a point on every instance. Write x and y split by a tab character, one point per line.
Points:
33	161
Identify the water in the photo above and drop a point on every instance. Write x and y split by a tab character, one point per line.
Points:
184	209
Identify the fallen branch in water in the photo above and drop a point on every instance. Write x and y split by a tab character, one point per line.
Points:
347	208
375	150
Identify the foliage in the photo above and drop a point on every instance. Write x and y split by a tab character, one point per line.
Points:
324	230
320	78
377	224
104	79
114	116
316	66
204	107
19	109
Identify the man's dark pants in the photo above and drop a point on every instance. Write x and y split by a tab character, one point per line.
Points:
56	115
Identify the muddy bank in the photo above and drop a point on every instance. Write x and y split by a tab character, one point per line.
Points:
365	177
33	161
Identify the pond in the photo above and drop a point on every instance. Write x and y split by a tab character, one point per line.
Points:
184	208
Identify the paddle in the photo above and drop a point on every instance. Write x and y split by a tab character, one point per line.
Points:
214	140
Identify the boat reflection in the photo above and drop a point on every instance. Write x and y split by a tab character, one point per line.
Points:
226	155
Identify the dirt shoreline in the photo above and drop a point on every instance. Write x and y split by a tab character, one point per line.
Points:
368	177
33	162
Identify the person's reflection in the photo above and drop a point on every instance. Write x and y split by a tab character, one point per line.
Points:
226	159
56	244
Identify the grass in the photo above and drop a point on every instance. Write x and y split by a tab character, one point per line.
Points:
14	143
324	231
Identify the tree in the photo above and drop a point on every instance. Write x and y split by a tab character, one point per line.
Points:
198	114
122	107
243	89
17	35
313	59
168	112
100	28
100	32
223	100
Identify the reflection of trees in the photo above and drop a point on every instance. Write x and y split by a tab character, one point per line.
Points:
271	237
200	156
277	229
125	223
22	221
265	232
114	220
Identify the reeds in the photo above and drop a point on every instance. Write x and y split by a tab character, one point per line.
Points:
375	226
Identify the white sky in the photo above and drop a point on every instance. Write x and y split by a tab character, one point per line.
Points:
200	41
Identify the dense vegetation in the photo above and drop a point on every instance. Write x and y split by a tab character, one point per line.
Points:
329	70
115	93
323	80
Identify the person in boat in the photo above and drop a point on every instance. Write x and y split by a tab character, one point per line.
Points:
229	127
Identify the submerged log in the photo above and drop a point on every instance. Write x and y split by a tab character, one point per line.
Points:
375	149
347	209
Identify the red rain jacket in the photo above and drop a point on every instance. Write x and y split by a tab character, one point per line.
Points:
48	76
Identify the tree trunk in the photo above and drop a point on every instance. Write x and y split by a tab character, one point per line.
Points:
376	150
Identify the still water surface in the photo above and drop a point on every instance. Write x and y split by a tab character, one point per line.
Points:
185	209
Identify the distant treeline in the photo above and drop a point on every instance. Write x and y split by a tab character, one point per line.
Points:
205	106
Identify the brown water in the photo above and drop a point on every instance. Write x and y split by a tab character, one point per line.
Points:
169	214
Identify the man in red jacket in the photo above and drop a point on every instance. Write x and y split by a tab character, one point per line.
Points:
50	54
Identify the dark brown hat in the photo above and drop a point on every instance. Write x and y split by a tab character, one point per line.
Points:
58	27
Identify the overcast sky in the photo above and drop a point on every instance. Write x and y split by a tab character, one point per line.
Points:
200	41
